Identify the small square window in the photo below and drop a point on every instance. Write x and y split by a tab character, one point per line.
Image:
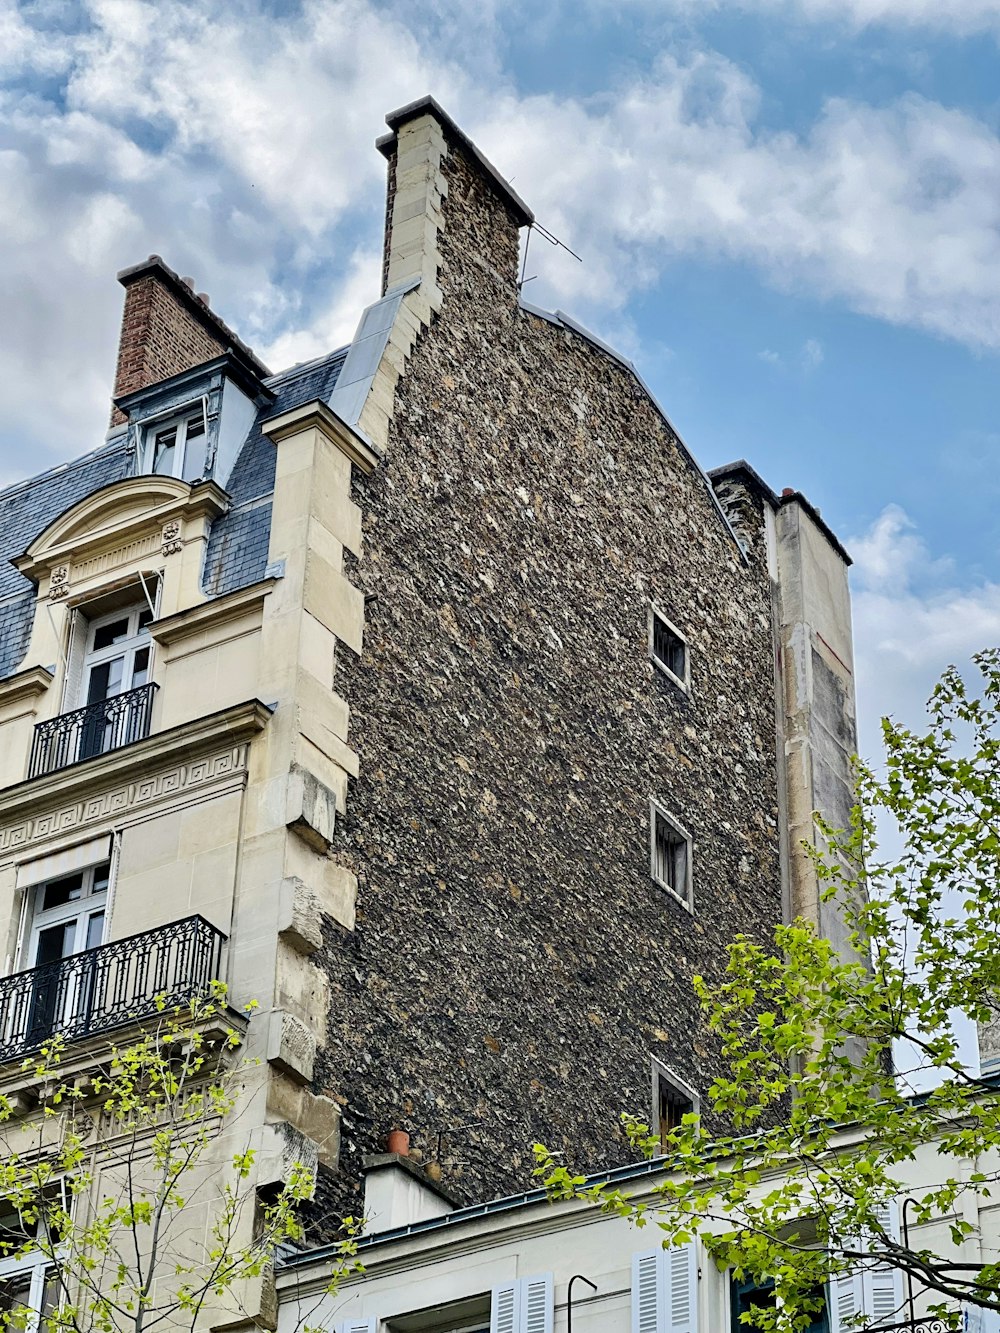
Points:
669	854
668	648
673	1099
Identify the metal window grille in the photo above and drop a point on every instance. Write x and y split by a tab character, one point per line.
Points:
669	649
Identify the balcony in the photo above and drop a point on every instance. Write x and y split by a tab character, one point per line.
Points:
92	992
92	730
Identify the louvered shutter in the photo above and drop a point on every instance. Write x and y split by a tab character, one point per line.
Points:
680	1271
846	1300
875	1291
665	1291
75	649
537	1303
646	1288
504	1308
882	1285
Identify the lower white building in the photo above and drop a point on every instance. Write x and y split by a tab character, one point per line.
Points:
526	1265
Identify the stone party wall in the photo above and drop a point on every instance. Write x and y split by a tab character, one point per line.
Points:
513	966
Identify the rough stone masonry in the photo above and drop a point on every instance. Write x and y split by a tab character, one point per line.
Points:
514	966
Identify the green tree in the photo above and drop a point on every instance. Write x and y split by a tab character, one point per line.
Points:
125	1205
799	1194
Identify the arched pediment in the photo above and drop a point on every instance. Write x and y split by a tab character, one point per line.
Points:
120	504
120	523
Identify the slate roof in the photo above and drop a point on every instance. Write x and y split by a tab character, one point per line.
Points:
25	509
237	548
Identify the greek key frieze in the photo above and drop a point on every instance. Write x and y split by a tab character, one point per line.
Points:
119	801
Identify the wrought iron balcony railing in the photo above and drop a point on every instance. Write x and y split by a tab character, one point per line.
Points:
100	989
919	1324
94	729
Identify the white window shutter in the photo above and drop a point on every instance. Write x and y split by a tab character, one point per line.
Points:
883	1284
525	1305
75	649
369	1325
665	1290
846	1300
537	1304
505	1306
680	1272
646	1292
872	1290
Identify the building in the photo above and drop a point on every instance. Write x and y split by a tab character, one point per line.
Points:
523	1264
429	692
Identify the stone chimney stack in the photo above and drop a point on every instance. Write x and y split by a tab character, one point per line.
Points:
167	328
440	182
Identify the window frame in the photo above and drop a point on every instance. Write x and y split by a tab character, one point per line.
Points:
137	640
91	900
42	1269
656	614
662	1073
658	811
178	421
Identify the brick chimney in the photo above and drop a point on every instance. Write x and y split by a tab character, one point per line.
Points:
167	328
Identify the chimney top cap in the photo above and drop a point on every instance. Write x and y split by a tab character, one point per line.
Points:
427	106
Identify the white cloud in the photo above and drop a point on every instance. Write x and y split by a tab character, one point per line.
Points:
912	618
894	211
241	150
811	354
956	17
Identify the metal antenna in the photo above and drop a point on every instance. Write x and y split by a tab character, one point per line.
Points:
552	240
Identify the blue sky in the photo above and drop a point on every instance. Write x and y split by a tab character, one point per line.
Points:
788	213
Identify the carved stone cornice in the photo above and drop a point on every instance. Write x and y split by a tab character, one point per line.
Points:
25	686
317	416
205	751
207	615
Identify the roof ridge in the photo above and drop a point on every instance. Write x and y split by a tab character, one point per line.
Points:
301	367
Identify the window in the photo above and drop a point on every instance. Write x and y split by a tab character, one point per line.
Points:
117	656
746	1295
673	1099
67	918
29	1287
670	854
471	1315
176	448
668	648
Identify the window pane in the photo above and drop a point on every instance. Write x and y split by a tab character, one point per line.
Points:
194	449
164	451
60	891
55	942
95	930
669	648
15	1292
105	680
115	632
140	668
145	616
102	874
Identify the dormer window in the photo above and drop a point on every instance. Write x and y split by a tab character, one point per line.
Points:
176	448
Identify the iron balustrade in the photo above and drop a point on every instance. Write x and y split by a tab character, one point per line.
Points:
92	992
918	1325
91	730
